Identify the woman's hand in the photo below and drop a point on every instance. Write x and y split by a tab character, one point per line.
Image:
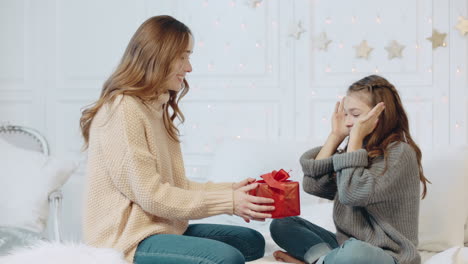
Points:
242	183
365	125
339	129
251	207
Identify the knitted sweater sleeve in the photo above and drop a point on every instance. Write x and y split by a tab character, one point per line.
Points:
137	177
209	186
318	175
360	183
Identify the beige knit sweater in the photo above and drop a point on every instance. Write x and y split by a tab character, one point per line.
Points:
136	184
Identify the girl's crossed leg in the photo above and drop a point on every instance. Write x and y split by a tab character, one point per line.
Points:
305	242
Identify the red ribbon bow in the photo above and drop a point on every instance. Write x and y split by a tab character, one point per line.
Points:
275	178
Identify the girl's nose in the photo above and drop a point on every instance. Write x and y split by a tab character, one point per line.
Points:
349	122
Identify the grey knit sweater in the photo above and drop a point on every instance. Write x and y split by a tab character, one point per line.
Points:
377	207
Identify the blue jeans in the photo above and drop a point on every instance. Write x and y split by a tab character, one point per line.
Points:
202	244
309	243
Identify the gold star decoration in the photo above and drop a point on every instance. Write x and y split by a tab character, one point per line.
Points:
462	26
394	50
437	39
363	50
322	41
297	30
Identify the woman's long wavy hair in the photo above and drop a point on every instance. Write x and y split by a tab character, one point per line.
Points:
144	69
393	123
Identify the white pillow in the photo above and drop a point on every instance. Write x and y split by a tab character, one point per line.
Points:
444	211
455	255
27	178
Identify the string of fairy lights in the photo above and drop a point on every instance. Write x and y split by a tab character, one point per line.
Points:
395	49
363	50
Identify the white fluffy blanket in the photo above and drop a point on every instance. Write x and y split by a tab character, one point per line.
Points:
68	253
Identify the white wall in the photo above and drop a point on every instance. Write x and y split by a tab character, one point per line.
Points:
251	78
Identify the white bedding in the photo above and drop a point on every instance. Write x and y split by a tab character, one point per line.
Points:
321	214
441	227
456	255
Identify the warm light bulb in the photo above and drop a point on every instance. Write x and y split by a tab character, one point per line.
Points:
457	125
207	148
445	99
378	20
458	70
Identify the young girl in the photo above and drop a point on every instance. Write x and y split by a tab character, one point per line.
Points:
138	199
374	184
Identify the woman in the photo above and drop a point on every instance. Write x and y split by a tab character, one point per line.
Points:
374	184
138	199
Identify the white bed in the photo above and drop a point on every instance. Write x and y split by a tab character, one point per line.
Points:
443	227
443	218
320	214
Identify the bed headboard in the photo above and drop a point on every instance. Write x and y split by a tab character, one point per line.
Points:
24	137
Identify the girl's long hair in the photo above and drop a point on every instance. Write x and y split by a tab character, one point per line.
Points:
144	69
393	123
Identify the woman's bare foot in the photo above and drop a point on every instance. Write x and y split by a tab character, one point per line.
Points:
285	257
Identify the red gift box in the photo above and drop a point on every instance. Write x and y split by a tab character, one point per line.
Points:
276	185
